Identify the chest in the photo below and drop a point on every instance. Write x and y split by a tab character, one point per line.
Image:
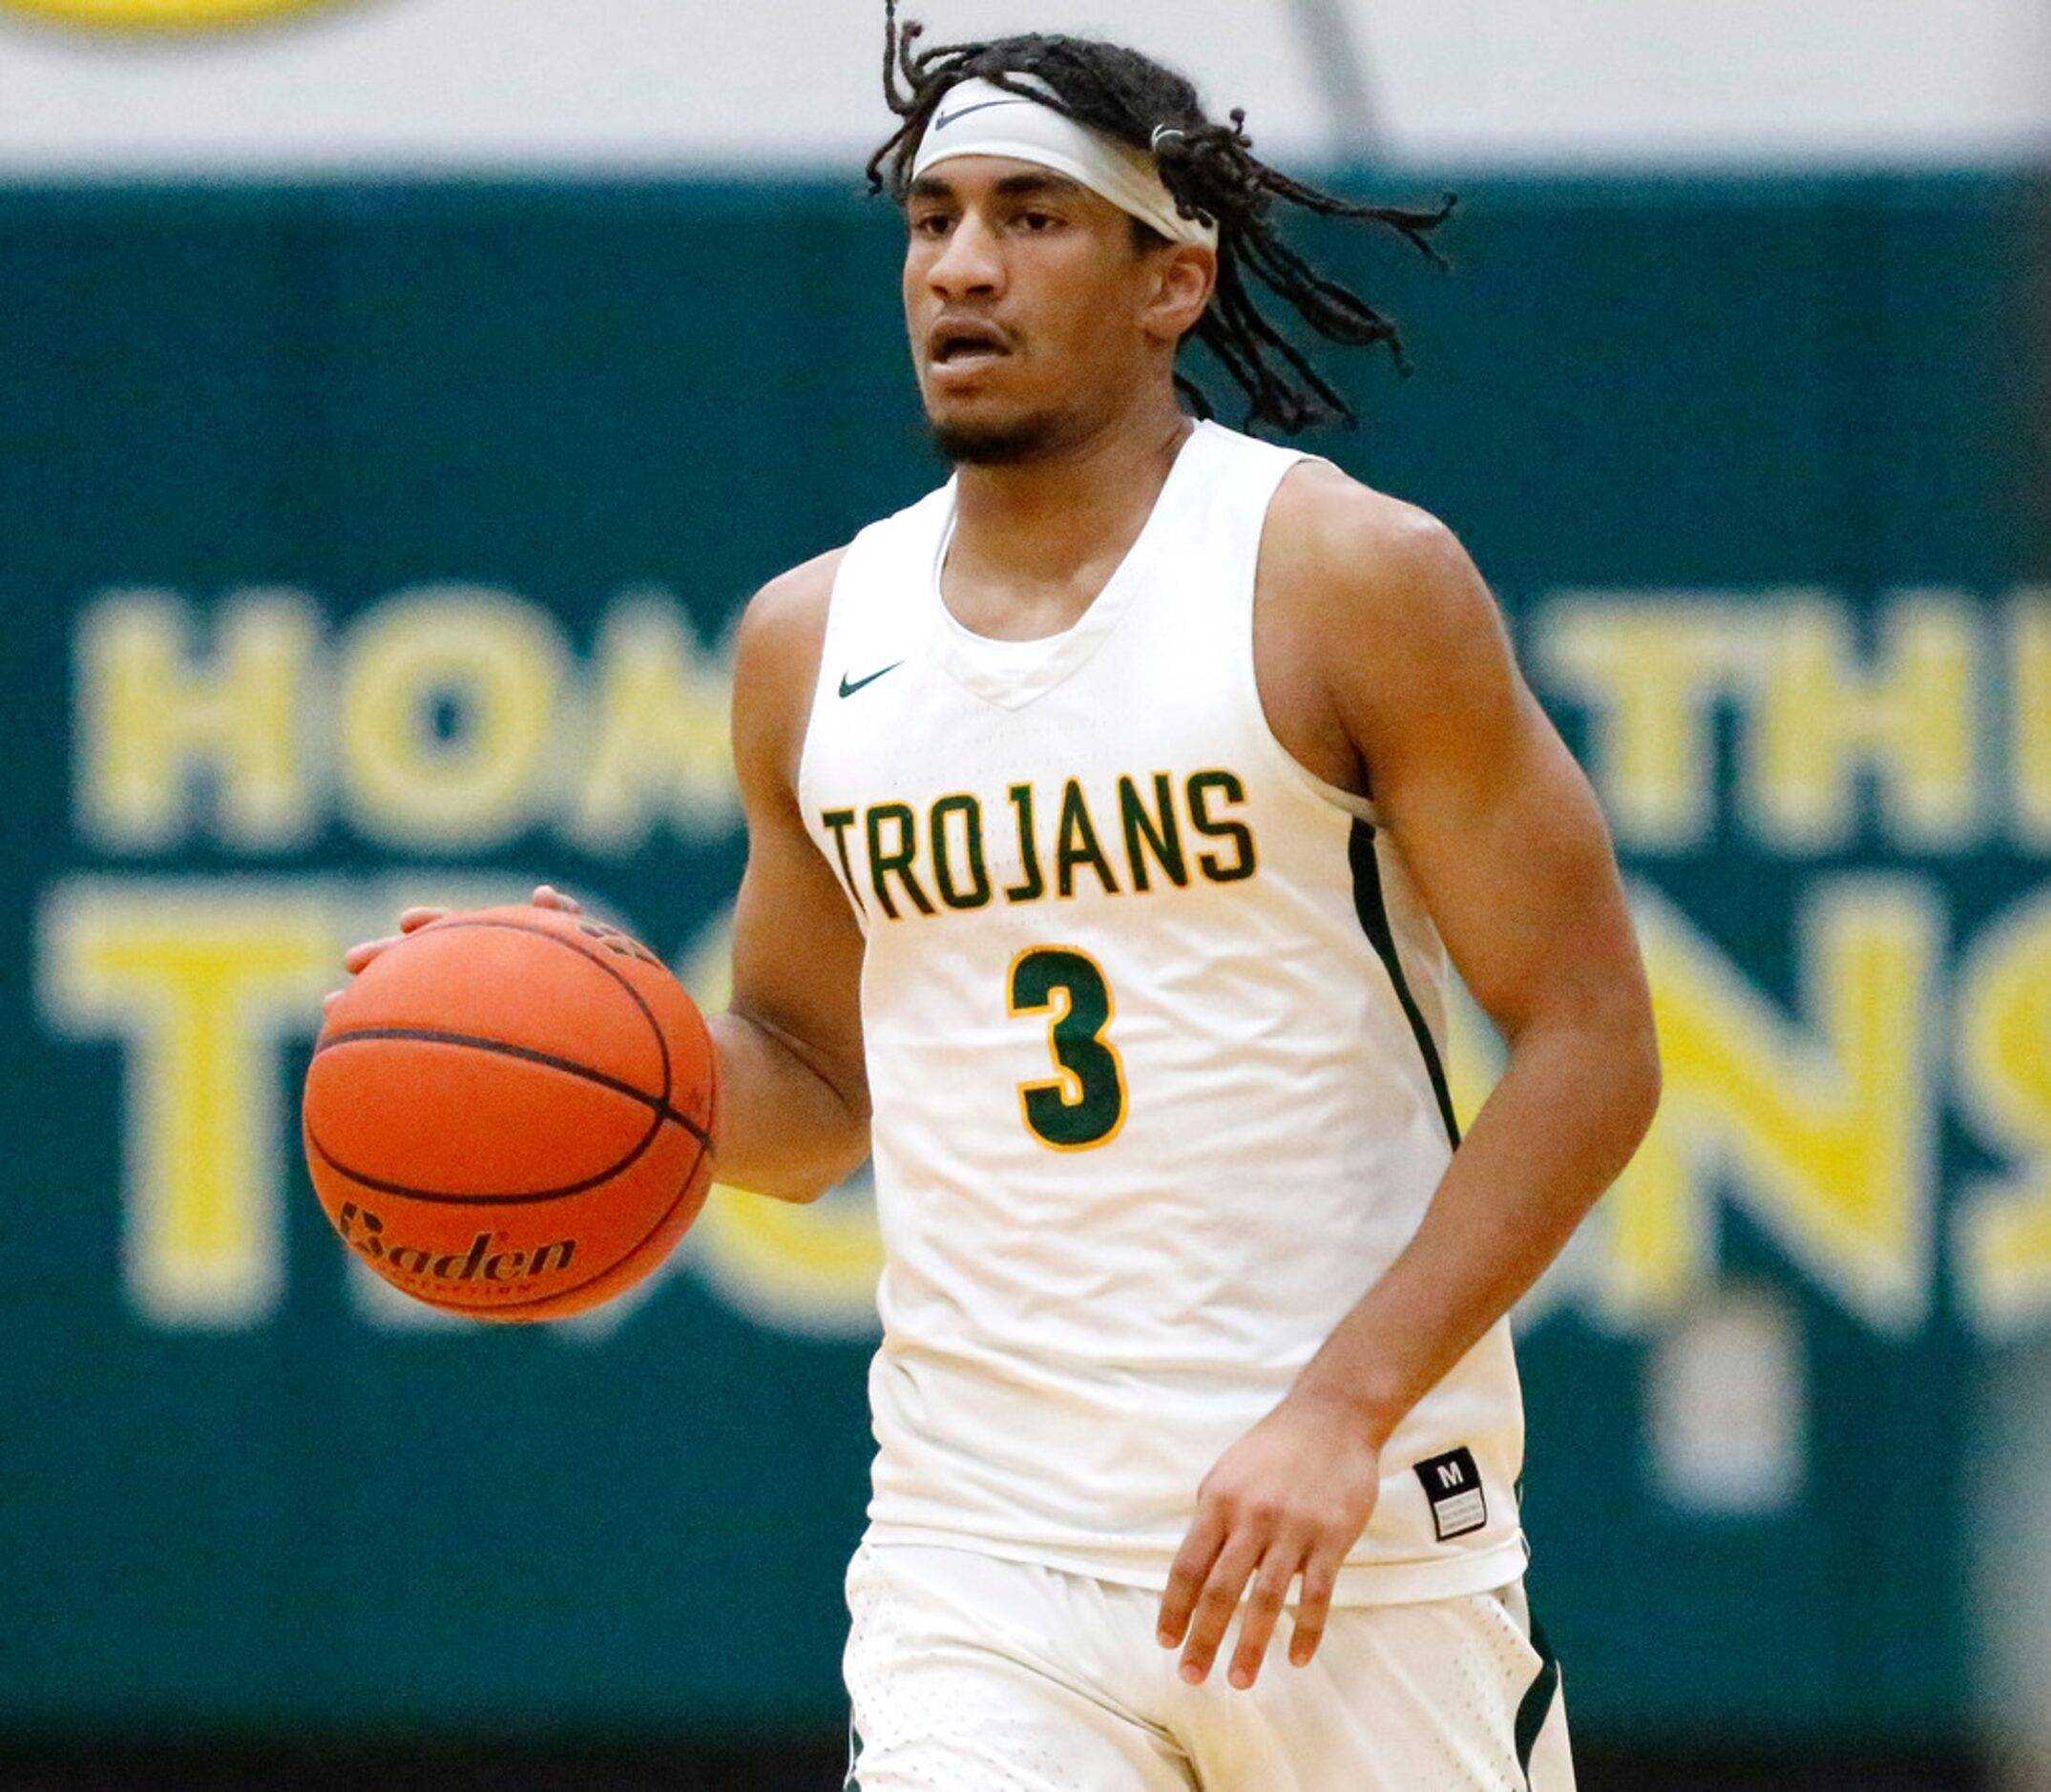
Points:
1133	774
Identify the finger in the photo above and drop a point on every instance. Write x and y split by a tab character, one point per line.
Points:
1264	1608
1186	1578
358	956
1217	1603
1321	1574
548	896
412	920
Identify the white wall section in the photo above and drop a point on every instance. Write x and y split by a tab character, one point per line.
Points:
665	83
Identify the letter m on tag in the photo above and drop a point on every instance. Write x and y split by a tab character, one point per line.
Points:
1453	1488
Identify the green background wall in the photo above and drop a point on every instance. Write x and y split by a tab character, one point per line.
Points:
296	1513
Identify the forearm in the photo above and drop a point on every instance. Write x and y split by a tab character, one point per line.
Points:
1572	1107
790	1125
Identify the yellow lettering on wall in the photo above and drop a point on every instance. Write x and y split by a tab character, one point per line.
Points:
2029	658
2005	1070
1651	670
199	982
1821	1133
661	752
1823	716
796	1268
160	722
496	663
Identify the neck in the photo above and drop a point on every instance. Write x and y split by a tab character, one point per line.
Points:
1050	520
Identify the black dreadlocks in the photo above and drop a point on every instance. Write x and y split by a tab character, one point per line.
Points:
1210	174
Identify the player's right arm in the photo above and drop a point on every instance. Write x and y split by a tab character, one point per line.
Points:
793	1092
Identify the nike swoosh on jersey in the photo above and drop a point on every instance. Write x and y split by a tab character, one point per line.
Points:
847	689
941	120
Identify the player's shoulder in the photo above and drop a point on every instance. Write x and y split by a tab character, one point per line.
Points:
789	615
777	649
786	619
1327	526
1354	562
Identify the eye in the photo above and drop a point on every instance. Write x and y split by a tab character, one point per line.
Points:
1039	220
930	224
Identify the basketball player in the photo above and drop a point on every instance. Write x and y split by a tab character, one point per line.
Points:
1107	810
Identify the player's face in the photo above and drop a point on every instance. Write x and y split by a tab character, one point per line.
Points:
1028	302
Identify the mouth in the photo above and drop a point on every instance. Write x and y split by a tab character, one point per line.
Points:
965	343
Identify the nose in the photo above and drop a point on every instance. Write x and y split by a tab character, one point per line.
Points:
969	264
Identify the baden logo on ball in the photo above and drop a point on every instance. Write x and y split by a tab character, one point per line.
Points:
364	1231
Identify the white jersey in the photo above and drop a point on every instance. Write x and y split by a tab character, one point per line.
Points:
1154	1025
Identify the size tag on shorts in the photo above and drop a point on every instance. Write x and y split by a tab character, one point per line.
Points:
1453	1485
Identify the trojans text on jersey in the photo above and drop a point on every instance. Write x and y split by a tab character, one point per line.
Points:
1038	843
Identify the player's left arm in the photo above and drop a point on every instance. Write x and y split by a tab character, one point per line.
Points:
1509	852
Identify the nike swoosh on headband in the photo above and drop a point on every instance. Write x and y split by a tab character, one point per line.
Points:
941	120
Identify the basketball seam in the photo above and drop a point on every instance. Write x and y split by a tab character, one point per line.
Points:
435	1199
633	995
506	1048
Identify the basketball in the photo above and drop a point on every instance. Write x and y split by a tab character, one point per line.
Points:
509	1114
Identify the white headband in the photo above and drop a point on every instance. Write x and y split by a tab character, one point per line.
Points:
967	122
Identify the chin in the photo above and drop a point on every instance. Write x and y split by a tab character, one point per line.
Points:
971	441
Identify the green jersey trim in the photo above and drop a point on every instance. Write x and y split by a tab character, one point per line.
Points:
1372	909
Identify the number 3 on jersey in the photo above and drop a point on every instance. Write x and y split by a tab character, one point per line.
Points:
1084	1105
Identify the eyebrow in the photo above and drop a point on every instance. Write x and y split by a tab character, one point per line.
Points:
1024	186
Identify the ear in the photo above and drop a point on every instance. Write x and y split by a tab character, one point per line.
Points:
1185	274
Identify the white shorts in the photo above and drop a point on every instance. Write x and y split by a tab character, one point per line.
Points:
973	1675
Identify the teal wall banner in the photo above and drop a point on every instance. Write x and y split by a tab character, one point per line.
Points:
362	546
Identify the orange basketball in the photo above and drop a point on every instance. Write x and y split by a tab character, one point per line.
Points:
509	1114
